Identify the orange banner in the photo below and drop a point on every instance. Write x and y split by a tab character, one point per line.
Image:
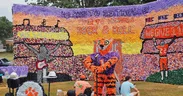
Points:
163	30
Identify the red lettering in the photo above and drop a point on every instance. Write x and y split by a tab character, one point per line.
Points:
87	30
105	29
121	30
165	30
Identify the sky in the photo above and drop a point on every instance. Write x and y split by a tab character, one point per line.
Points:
6	5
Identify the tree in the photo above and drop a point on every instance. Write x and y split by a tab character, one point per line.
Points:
87	3
5	29
146	1
129	2
124	2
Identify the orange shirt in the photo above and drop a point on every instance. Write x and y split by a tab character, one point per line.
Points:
80	86
163	49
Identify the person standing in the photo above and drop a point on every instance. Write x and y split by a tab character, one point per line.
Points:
163	61
127	86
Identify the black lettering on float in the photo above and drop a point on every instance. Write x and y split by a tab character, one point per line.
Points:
163	17
178	15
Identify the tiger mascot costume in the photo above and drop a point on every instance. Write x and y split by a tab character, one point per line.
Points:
102	66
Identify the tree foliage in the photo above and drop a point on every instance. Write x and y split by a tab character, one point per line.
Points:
146	1
5	28
87	3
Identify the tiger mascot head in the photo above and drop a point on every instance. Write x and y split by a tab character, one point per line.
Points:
104	45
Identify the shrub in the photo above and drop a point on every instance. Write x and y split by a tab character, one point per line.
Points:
174	77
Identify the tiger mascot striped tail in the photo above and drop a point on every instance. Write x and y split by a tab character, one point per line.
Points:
102	66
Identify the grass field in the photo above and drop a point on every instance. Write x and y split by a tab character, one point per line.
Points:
146	88
7	55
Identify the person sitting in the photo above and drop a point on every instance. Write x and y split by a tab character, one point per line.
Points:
127	86
81	85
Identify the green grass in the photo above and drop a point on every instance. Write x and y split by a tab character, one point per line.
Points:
7	55
159	89
146	88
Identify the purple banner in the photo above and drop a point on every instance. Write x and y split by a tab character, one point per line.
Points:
112	11
21	71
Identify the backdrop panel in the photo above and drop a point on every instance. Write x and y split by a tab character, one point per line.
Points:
134	25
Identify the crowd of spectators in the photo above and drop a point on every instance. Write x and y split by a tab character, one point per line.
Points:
68	65
62	51
73	66
176	46
138	66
